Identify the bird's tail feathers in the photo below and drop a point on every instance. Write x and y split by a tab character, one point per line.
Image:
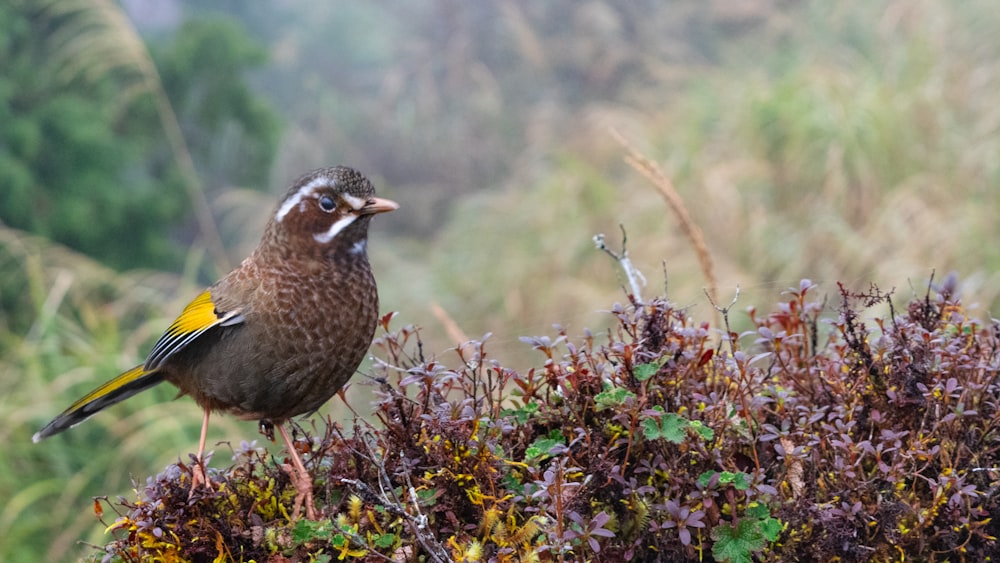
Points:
118	389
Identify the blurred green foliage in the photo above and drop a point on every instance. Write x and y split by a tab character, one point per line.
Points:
70	172
231	131
90	169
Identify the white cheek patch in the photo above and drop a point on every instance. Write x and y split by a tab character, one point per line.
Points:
304	192
335	229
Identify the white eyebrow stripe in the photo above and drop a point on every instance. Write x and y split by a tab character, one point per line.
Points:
304	192
356	203
335	228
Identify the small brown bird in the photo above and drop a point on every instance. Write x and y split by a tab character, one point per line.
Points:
280	334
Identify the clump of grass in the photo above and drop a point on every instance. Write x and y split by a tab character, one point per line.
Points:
816	435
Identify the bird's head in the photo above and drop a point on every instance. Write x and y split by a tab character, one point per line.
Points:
326	212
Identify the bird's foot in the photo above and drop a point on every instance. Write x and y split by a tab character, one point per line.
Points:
304	492
199	476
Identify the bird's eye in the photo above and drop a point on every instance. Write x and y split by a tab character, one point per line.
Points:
326	203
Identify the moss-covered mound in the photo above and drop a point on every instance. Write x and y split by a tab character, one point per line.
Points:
826	433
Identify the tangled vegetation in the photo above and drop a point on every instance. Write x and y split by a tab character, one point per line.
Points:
815	436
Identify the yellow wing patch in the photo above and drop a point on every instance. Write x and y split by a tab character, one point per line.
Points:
199	316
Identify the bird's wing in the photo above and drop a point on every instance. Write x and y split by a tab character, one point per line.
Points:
199	316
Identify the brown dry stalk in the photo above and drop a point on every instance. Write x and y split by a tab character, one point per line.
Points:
450	326
654	174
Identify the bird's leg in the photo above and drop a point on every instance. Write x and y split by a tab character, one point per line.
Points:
198	475
300	478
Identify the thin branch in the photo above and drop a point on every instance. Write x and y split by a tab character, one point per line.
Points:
724	311
387	498
631	272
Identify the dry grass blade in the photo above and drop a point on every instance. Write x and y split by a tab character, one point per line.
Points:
49	309
95	39
450	326
654	174
463	343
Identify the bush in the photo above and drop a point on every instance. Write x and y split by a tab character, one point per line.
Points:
828	438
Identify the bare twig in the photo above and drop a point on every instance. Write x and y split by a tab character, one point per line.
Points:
724	311
388	499
631	272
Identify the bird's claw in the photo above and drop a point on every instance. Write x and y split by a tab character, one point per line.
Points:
199	477
304	492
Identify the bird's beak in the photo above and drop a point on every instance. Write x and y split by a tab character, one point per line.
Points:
379	205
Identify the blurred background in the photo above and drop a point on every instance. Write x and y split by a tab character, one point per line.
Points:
144	144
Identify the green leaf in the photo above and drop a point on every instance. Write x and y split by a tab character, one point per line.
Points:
540	448
428	497
704	478
758	511
736	544
651	429
705	432
385	540
521	414
643	372
614	397
671	427
738	480
308	530
511	483
771	529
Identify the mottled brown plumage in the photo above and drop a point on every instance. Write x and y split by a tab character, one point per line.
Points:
282	333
